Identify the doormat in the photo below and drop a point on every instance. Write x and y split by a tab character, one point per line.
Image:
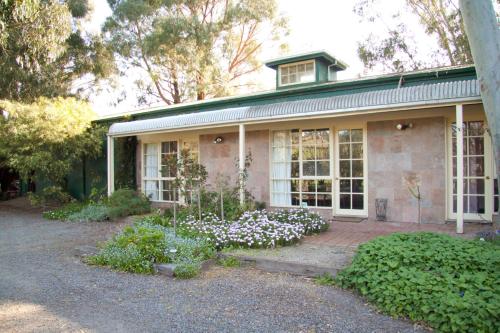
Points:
348	219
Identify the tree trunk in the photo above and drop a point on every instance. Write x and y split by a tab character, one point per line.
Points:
484	39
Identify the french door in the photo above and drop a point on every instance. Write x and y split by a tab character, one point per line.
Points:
350	180
478	179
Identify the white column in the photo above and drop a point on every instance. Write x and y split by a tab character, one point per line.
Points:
111	165
242	162
460	169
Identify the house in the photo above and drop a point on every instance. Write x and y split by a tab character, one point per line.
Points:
333	146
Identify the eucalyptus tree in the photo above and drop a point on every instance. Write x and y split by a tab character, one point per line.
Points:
398	51
191	50
44	51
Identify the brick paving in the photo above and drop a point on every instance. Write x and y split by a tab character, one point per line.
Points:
352	234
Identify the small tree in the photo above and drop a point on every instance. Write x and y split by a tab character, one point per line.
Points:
43	140
221	185
243	173
190	179
413	183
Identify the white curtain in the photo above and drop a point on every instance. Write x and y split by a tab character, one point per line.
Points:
151	171
281	168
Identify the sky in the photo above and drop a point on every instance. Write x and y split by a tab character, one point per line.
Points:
329	25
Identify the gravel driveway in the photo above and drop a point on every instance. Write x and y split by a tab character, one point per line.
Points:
45	288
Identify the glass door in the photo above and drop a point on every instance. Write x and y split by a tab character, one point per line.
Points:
478	182
351	173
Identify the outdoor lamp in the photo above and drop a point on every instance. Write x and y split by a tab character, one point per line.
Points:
218	140
402	127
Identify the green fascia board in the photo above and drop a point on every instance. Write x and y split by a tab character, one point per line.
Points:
306	91
323	55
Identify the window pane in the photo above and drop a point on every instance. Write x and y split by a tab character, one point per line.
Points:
295	172
357	168
309	199
345	185
295	154
323	168
357	185
308	169
475	128
167	190
345	168
322	153
308	153
476	146
295	199
476	204
324	186
323	136
310	67
345	201
357	150
357	201
151	189
476	166
308	138
295	134
284	79
344	136
295	186
308	186
324	200
344	151
476	186
356	135
292	78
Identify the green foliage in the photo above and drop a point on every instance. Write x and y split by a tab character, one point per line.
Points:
49	195
125	154
187	269
325	279
64	212
192	50
147	244
229	261
44	139
90	213
440	20
43	51
450	283
125	202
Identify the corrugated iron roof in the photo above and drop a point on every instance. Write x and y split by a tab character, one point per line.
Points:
444	92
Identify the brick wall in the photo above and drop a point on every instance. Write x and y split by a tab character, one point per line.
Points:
394	154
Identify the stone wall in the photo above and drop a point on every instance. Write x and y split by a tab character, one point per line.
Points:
222	158
393	155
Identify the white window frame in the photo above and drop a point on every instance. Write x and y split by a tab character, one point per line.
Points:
295	64
488	176
180	145
300	161
351	212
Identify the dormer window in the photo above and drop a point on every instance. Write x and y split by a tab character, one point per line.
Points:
299	72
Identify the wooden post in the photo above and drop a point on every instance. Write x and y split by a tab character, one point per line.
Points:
111	165
242	162
460	168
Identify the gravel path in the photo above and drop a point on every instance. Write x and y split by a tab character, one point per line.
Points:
45	288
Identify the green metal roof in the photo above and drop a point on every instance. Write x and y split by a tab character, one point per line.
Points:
323	55
327	89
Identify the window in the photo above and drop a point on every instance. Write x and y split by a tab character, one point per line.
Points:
301	169
474	167
296	73
160	168
351	169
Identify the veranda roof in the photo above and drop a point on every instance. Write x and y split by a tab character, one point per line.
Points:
397	98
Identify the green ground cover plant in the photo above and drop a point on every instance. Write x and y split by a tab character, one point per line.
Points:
137	248
449	283
229	262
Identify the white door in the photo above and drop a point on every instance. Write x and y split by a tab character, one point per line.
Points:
478	180
350	180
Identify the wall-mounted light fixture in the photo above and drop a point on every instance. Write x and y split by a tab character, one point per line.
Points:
218	140
402	127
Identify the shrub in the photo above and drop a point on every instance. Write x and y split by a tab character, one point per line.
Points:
450	283
312	222
229	262
90	213
325	279
146	244
125	202
64	212
50	195
187	269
